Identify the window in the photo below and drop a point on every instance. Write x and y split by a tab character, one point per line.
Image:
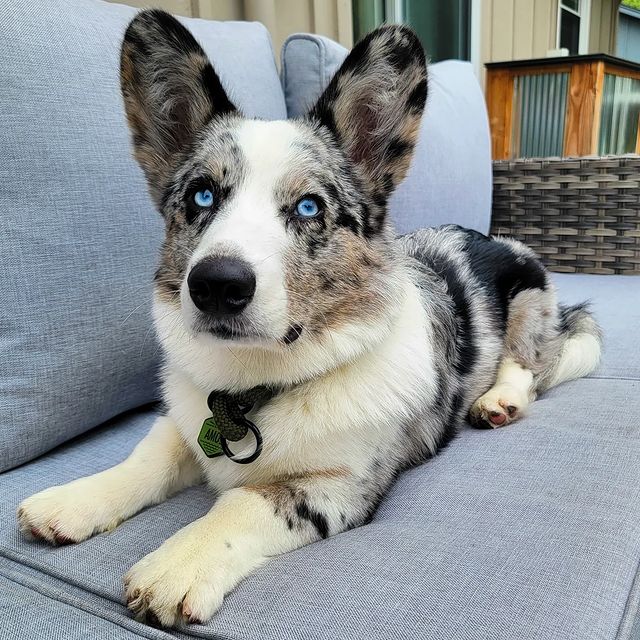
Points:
443	26
573	26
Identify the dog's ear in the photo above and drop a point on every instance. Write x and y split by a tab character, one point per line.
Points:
374	104
170	92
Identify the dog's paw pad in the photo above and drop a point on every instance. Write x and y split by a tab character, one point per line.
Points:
499	407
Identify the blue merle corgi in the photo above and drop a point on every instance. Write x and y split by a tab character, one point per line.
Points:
280	272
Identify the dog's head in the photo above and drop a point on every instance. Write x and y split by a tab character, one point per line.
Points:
274	230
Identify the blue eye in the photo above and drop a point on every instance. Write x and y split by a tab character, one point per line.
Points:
203	198
307	208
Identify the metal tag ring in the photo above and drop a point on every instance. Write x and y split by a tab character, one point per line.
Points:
256	434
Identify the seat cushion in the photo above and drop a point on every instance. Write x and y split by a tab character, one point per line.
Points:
615	301
34	613
78	233
526	532
450	177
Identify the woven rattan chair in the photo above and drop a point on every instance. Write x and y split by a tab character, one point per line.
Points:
580	215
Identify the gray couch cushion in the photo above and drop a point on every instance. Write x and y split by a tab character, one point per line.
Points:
525	532
615	301
450	177
34	612
78	234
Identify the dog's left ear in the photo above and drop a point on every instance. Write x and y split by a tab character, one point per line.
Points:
374	104
170	92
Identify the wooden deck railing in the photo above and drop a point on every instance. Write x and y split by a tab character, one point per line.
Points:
571	106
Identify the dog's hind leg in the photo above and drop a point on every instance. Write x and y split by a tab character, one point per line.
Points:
530	343
160	465
544	345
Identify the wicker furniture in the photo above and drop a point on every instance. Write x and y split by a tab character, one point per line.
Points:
580	215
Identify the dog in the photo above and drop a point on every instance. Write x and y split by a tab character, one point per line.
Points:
300	335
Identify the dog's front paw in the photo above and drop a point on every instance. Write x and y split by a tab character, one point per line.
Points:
187	577
499	407
65	514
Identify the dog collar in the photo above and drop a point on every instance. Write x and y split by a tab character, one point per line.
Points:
229	423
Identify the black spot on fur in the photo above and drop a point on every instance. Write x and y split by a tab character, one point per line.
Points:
332	190
347	221
466	348
387	184
316	519
290	523
401	56
398	148
380	198
451	423
570	317
418	97
293	334
502	272
467	351
220	103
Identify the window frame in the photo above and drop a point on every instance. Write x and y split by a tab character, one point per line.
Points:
584	14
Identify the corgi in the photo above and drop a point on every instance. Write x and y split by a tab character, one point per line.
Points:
310	354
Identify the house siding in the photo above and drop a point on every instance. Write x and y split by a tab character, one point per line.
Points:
522	29
517	29
603	26
628	38
331	18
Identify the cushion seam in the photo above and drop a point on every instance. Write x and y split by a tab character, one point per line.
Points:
76	603
612	378
44	569
631	607
48	570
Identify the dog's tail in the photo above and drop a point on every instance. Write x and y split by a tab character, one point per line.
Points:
580	347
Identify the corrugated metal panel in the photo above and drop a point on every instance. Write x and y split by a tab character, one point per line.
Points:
540	104
619	115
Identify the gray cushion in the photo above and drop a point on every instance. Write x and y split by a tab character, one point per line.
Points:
78	234
525	532
34	612
450	177
616	303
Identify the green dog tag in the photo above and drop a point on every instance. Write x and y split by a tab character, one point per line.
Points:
209	439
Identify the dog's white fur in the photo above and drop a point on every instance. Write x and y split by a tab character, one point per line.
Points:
316	423
269	153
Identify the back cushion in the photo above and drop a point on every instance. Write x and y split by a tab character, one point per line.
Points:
450	177
78	234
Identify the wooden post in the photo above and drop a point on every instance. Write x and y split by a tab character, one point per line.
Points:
582	123
500	108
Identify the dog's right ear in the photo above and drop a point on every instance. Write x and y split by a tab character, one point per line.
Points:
170	93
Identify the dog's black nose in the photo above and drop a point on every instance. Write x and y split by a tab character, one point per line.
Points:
221	285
